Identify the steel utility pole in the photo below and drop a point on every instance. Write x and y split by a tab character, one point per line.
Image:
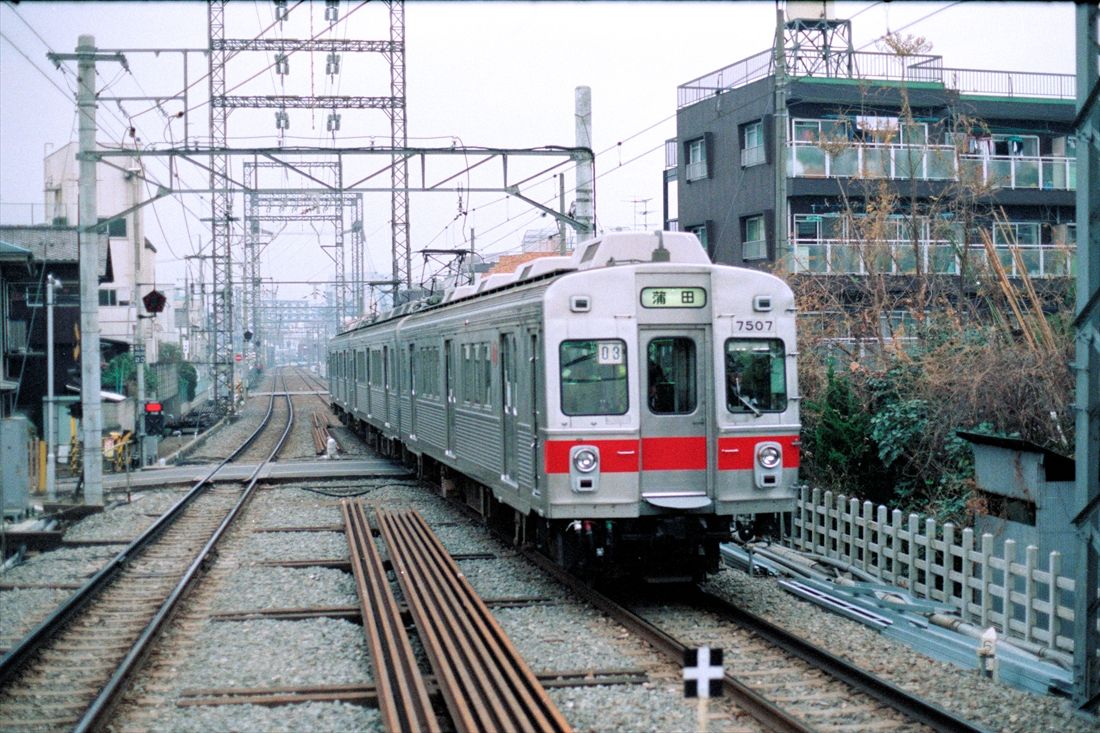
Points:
1086	665
90	245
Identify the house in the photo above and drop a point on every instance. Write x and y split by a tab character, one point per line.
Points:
28	254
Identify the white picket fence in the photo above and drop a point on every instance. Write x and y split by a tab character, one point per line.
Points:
1027	600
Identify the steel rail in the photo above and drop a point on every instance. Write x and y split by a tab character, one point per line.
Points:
484	680
96	714
772	717
906	703
14	660
403	698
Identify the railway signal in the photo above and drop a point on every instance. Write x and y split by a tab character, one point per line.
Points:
154	418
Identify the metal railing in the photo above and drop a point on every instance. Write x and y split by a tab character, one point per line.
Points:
931	163
867	65
936	256
1011	83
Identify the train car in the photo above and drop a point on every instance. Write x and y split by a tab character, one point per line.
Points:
620	407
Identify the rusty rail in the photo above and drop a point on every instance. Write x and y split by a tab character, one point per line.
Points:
483	679
402	694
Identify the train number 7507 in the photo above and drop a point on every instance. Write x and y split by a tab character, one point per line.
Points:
753	325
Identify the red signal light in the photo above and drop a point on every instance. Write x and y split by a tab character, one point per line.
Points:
152	407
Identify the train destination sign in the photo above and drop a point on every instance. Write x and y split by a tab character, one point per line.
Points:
674	297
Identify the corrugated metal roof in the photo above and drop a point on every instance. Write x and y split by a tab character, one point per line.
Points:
9	252
51	244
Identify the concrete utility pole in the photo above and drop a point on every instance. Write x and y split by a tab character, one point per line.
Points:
52	284
584	214
90	244
1086	666
780	60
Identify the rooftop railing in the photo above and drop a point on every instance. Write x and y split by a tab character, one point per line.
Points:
866	65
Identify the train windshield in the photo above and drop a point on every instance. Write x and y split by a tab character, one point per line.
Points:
756	378
593	377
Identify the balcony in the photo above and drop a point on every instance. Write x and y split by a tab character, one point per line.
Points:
696	170
930	163
938	257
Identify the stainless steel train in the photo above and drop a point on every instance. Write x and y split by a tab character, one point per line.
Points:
620	407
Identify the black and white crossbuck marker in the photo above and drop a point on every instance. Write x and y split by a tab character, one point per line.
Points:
703	672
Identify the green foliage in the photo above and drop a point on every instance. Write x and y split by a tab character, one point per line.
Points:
189	379
120	375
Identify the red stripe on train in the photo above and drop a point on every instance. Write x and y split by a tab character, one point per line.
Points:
671	454
674	454
616	456
738	454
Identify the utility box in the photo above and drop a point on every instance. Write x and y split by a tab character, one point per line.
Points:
18	446
1029	493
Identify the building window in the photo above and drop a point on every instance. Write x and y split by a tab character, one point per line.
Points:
752	144
108	297
114	227
696	159
755	245
700	232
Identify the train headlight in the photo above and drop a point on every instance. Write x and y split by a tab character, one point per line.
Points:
585	460
769	456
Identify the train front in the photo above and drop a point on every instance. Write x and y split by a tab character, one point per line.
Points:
671	406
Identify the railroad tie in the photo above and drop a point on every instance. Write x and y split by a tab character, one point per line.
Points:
485	682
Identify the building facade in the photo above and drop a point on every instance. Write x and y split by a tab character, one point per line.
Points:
814	158
120	187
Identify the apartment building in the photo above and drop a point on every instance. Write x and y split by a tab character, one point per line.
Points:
816	158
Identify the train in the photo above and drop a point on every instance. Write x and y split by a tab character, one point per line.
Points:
626	408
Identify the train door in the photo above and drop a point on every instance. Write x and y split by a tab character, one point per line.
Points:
386	374
449	386
533	386
508	387
675	422
412	389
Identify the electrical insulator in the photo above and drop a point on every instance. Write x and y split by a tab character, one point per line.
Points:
282	120
281	10
282	64
333	123
332	11
332	64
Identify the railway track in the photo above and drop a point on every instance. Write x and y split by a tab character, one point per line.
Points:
99	636
782	681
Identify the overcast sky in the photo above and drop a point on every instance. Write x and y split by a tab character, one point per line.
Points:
494	74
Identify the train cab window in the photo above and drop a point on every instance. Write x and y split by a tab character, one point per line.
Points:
593	377
671	373
756	377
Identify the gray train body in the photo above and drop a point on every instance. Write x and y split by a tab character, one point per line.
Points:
619	406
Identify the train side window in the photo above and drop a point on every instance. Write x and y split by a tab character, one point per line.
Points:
756	377
671	373
593	377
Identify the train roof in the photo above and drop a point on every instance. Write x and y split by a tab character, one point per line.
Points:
607	250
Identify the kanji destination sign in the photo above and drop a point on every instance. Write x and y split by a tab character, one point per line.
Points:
674	297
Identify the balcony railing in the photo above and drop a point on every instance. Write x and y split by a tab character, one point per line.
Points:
672	150
898	257
866	65
695	170
753	156
931	163
755	250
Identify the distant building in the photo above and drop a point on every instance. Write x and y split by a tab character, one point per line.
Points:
27	255
120	186
784	169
